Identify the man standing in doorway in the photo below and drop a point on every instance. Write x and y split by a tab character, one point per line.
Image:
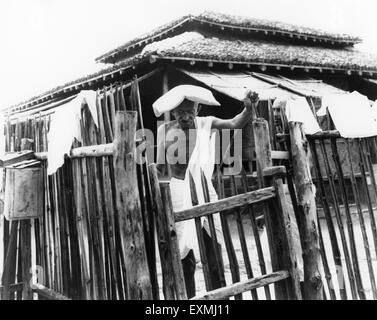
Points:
187	146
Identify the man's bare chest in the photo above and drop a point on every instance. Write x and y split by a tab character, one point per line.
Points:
180	142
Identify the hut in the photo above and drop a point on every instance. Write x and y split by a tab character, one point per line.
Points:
77	238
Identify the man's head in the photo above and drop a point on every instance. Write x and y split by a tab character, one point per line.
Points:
177	96
185	114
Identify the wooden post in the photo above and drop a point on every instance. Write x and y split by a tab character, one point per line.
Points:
263	160
262	147
281	229
9	272
276	232
25	230
164	243
180	288
307	214
128	205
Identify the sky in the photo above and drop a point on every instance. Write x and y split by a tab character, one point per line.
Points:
46	43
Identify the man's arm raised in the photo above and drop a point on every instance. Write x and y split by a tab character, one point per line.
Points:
241	119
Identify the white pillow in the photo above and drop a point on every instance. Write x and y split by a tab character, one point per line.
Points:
174	97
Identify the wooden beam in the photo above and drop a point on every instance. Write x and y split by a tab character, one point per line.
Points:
243	286
47	292
13	287
279	155
14	157
225	204
277	171
129	208
324	135
100	150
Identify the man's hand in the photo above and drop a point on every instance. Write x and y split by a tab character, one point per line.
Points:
251	98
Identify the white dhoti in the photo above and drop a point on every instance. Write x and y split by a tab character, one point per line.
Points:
202	158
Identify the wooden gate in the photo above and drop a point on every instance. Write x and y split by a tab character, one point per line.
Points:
284	273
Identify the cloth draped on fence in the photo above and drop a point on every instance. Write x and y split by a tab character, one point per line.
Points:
65	127
351	113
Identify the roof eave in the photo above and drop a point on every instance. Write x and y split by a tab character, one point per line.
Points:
263	66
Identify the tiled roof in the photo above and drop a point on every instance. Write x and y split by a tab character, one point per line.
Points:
230	23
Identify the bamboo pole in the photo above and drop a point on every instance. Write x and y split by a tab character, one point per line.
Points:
351	235
330	224
128	206
109	213
83	251
356	194
339	221
307	221
330	285
363	168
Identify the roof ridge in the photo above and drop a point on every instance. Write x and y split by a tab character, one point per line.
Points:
237	22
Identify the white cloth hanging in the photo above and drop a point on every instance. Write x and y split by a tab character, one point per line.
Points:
351	113
297	109
65	127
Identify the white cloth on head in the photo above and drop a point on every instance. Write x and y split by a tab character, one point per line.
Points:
174	97
351	113
298	110
65	127
202	157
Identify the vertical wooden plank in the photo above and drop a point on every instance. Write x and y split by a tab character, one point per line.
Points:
351	235
200	237
264	160
81	229
180	288
145	193
334	195
25	229
128	205
164	242
9	272
242	237
233	263
357	196
106	117
364	168
112	108
307	222
258	243
284	239
331	229
211	223
326	269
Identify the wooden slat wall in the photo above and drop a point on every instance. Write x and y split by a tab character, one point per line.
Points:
76	242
